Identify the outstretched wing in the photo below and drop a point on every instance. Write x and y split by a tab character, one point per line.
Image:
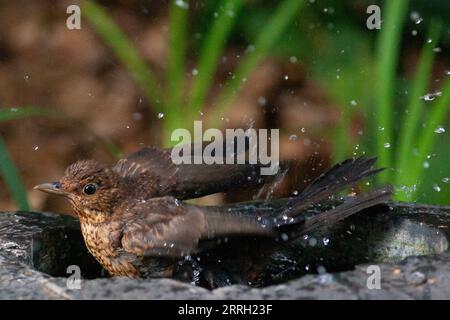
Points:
169	228
153	170
166	227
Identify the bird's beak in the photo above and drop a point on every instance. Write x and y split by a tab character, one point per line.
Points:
53	187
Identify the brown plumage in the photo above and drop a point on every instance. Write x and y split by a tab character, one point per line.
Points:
135	223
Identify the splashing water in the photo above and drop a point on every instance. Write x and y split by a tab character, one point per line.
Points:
431	96
182	4
415	17
439	129
262	101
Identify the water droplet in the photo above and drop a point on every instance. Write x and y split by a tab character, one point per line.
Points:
321	270
312	242
431	96
381	128
415	17
436	188
414	32
284	237
303	130
353	103
137	116
295	192
160	115
194	72
387	145
26	77
293	59
439	129
326	241
437	49
306	142
182	4
286	77
446	180
426	164
293	137
36	148
262	101
250	48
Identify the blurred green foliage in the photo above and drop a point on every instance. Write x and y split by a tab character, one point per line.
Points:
358	68
8	170
177	111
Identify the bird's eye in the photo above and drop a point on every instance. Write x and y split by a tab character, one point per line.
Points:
90	188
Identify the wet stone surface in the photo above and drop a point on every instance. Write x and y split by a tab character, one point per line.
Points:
409	243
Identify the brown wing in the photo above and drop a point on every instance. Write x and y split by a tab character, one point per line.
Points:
168	228
152	169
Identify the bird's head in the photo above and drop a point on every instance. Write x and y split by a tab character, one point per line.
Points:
92	188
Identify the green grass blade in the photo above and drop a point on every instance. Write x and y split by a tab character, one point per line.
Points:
428	135
387	55
25	112
411	121
12	178
210	53
173	113
268	36
124	50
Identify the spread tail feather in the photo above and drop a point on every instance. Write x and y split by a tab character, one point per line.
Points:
349	207
339	177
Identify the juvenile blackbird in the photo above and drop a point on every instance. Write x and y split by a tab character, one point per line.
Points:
135	223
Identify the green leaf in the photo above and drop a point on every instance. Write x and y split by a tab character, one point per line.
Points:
404	172
173	115
25	112
267	38
124	50
12	178
210	53
387	53
428	136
